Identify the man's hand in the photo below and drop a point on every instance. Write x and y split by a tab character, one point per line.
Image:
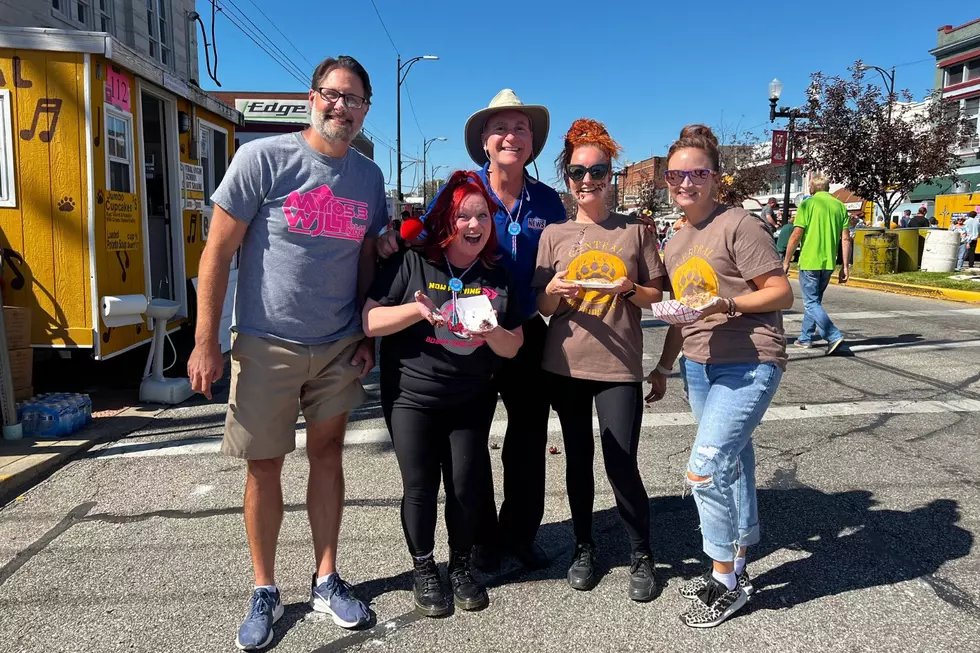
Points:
364	357
205	366
845	274
387	244
786	265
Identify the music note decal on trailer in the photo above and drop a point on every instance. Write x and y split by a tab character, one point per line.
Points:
192	237
123	265
44	105
19	81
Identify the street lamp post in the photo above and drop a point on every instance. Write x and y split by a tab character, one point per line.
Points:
616	175
775	91
889	79
425	148
400	77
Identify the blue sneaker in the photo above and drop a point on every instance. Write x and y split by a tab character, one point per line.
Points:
264	609
334	597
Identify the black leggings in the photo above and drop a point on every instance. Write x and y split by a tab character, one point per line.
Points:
620	410
451	442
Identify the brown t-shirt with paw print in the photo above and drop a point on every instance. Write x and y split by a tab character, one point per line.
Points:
597	336
720	256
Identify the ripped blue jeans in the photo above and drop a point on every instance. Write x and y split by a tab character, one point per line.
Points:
728	402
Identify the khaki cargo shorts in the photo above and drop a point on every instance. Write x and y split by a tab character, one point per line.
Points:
271	380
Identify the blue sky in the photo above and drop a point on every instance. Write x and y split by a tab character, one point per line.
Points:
643	68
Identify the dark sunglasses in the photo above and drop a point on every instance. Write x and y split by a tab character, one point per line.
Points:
597	172
698	176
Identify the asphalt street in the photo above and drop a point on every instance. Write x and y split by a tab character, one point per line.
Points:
869	497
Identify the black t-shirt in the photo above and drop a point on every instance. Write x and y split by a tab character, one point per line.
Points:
431	366
919	222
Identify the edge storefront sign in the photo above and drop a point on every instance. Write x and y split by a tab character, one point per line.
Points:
290	111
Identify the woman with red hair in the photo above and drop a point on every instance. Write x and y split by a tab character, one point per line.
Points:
594	274
438	354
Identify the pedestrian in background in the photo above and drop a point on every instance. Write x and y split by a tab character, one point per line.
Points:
298	343
906	217
822	224
972	226
504	139
959	227
594	348
769	212
436	381
919	221
782	238
734	356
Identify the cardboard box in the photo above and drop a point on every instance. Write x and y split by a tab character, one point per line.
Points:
22	367
23	393
18	321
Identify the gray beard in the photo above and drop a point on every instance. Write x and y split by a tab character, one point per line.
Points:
329	131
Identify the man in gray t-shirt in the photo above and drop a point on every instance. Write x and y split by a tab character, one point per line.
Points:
305	209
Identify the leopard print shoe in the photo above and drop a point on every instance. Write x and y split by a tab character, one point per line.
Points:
713	605
696	585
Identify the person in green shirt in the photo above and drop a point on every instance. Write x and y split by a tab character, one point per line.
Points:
822	226
783	235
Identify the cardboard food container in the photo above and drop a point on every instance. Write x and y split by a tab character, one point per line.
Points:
674	312
18	321
476	313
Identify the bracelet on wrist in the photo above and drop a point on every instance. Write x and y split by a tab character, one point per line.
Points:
664	370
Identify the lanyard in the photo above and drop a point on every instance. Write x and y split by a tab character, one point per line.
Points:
513	219
456	287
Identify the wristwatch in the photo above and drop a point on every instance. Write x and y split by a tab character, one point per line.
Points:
629	293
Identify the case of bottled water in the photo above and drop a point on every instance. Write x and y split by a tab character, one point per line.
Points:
54	415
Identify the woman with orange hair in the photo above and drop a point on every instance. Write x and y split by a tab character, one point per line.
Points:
437	359
594	274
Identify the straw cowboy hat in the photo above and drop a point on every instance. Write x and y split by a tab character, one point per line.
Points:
503	101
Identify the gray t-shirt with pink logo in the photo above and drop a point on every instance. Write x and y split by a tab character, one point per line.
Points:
307	214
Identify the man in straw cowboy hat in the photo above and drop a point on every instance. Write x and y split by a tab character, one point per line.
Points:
503	139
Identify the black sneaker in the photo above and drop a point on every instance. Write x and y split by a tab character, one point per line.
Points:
486	558
581	575
470	595
430	595
643	583
695	586
713	605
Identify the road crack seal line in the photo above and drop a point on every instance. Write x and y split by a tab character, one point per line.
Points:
74	516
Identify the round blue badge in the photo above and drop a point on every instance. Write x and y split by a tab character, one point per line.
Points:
514	229
456	285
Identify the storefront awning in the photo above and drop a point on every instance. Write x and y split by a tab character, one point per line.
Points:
942	186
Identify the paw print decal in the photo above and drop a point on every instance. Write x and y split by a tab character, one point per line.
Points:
100	197
67	204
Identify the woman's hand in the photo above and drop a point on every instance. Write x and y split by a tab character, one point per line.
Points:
715	306
428	310
558	287
623	284
658	386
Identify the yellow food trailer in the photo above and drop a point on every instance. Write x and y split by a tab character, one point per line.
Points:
108	161
953	206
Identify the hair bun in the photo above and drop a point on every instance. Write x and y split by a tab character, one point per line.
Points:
586	131
699	131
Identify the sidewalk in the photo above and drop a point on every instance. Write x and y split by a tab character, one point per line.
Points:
929	292
25	462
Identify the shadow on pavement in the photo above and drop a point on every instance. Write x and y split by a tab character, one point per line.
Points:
845	543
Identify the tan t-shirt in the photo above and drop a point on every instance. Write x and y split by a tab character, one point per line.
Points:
721	256
597	336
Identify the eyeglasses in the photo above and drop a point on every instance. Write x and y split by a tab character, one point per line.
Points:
698	176
350	101
597	172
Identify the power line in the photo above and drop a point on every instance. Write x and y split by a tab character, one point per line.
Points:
412	106
312	65
256	34
233	20
390	40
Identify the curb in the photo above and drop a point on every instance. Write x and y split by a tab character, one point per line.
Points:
929	292
33	460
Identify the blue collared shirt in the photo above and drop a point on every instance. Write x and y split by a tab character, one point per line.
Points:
541	206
